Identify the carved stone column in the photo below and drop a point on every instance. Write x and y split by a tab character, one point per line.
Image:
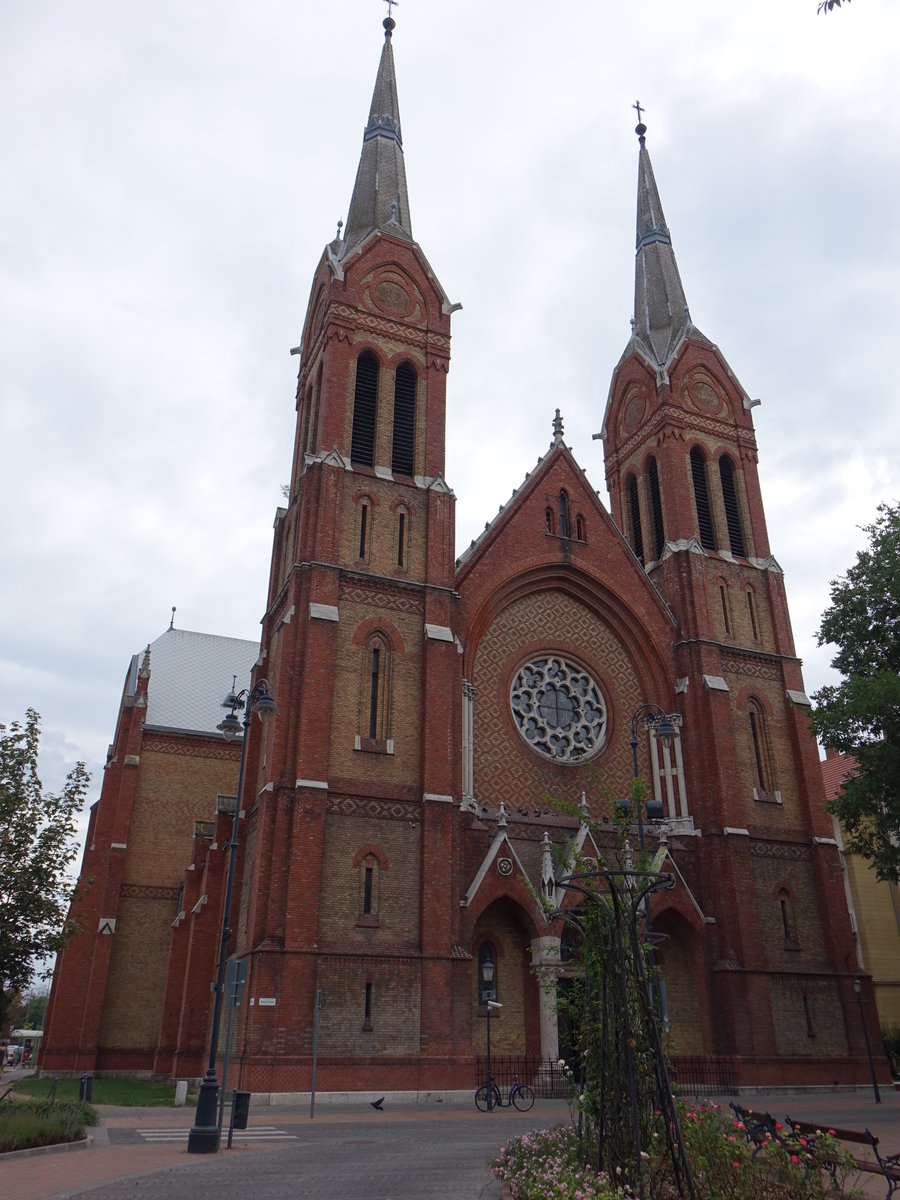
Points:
545	959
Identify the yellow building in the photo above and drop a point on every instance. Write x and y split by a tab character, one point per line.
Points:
874	906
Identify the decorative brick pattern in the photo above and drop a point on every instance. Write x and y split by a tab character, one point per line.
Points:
148	892
363	806
504	768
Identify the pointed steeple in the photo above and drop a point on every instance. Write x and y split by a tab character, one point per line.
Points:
379	198
661	314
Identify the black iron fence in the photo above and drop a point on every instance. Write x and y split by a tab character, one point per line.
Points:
543	1074
703	1074
689	1074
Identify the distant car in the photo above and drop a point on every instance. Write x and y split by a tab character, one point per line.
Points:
13	1055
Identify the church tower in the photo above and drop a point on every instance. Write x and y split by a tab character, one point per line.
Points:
350	845
682	476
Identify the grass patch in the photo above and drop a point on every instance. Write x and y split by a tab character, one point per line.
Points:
125	1092
29	1123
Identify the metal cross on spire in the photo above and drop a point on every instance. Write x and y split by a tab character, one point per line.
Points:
390	4
639	108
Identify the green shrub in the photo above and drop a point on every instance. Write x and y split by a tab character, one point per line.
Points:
30	1123
891	1037
124	1092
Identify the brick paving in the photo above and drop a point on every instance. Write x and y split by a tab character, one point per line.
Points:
352	1152
407	1153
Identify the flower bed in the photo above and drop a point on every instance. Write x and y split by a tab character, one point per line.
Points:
554	1164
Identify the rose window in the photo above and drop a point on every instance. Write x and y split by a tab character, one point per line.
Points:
558	709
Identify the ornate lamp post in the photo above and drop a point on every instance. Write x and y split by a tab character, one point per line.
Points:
204	1135
487	975
857	987
665	727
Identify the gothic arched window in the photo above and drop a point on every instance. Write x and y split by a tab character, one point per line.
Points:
368	887
726	606
659	535
402	536
788	918
404	438
732	508
375	694
701	499
751	608
634	512
365	408
364	509
759	742
564	514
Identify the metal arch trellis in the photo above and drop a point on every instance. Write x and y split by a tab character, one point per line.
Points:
625	1115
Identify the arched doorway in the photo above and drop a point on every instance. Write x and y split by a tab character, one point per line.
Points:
678	960
502	936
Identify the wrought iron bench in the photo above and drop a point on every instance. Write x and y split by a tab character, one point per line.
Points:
760	1128
887	1165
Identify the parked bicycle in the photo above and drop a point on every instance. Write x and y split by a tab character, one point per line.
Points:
521	1095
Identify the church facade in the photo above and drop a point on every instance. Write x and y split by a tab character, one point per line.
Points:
398	830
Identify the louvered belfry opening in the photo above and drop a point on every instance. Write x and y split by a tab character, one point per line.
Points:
403	453
701	499
365	407
656	506
732	511
634	505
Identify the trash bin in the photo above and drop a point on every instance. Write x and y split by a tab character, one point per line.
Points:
240	1109
86	1087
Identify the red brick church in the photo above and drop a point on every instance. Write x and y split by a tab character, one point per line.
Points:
396	816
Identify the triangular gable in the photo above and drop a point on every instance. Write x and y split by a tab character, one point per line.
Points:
604	556
500	837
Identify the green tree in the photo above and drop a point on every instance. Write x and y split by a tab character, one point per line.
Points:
37	845
35	1009
861	715
828	5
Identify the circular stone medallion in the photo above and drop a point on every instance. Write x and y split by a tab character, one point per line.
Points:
392	297
558	709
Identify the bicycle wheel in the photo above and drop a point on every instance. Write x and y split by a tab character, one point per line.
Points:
523	1097
481	1098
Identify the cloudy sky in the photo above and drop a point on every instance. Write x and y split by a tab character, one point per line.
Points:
173	171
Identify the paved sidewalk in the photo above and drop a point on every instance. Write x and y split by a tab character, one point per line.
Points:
358	1151
58	1174
120	1162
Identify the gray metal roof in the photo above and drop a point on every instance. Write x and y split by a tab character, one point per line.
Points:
190	675
661	316
380	199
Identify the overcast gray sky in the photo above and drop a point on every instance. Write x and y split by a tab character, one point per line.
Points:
173	171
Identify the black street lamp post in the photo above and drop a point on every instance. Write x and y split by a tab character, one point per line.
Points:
204	1135
857	987
487	975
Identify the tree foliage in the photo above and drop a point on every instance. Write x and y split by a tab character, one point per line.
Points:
828	5
861	715
36	846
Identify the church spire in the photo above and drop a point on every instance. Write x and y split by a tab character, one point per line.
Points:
661	314
379	198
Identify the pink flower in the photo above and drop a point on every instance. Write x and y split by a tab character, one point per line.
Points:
736	1165
794	1158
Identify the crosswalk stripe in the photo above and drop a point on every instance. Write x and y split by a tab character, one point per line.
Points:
261	1133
